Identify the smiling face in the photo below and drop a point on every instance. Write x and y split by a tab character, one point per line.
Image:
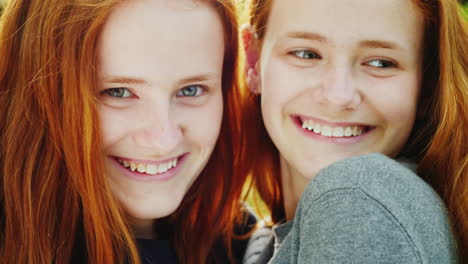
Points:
161	102
339	78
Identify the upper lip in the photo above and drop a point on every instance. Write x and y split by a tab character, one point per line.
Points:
304	118
145	161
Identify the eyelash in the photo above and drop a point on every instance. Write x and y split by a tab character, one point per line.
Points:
127	94
125	91
302	54
311	55
383	64
199	92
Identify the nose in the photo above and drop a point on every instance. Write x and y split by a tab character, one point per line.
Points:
338	90
159	130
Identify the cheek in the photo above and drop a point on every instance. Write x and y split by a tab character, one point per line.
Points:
397	101
271	96
202	124
280	85
111	121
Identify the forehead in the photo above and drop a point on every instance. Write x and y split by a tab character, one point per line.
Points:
141	37
394	20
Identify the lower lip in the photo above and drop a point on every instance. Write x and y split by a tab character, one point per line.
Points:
334	140
143	177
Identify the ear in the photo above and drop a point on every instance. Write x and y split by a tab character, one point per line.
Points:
251	48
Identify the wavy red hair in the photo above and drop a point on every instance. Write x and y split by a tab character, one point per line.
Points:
52	179
439	141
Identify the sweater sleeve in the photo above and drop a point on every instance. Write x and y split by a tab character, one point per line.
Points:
348	226
370	209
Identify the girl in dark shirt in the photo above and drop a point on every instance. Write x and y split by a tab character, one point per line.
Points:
110	113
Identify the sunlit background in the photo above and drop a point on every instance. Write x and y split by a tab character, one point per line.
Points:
251	197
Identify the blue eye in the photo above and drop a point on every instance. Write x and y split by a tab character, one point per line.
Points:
190	91
305	54
118	92
384	64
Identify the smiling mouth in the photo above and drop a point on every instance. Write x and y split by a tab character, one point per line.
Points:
146	168
332	130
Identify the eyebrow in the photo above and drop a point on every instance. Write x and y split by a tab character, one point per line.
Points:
126	80
379	44
199	78
306	35
139	81
374	44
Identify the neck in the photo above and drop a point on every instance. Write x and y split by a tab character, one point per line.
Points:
293	185
142	228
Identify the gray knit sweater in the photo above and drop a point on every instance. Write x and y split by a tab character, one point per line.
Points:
366	209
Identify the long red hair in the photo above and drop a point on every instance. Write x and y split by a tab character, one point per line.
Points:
439	140
52	179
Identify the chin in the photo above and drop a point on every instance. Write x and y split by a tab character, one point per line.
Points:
151	215
158	208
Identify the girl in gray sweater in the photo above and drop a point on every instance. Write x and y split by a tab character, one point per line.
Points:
333	81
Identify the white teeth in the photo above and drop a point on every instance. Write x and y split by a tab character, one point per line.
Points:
162	168
141	168
357	131
149	168
348	132
328	131
132	166
309	125
338	132
317	129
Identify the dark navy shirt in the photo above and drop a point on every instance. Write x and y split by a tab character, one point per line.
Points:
156	252
161	251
